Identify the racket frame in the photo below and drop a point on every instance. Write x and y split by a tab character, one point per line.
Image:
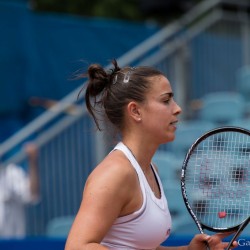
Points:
201	226
240	229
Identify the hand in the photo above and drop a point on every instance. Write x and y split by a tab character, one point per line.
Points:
214	241
31	150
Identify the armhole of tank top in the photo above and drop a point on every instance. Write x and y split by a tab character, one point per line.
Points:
120	146
162	202
158	179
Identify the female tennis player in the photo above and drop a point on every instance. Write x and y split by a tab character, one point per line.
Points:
123	204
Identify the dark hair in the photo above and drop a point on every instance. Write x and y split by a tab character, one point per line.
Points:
112	90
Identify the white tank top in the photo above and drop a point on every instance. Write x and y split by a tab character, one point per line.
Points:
146	228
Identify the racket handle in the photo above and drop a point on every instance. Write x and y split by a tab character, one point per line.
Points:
202	232
205	242
207	245
241	228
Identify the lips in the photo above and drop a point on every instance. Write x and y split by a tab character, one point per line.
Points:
174	122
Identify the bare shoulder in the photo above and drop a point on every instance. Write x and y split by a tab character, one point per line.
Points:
108	194
114	173
116	162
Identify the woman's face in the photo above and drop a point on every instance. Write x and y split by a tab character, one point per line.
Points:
160	111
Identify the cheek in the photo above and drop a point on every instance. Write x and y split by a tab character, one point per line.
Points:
165	116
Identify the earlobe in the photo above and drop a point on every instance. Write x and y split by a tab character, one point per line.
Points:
137	117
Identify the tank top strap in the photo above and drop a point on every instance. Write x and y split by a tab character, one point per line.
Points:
162	202
121	146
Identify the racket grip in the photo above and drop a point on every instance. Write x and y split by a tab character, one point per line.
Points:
207	245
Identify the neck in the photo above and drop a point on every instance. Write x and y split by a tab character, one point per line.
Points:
149	174
142	154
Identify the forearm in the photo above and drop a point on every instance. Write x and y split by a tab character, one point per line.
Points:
33	161
34	180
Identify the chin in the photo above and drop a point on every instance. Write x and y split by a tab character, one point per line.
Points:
169	139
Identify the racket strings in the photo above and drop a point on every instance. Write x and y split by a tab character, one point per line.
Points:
217	179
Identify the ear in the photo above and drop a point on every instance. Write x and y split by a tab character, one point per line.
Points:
134	111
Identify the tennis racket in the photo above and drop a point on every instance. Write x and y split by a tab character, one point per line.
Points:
215	181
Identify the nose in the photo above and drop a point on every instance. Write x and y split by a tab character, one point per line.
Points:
177	109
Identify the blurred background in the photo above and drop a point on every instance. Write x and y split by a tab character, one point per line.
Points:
203	47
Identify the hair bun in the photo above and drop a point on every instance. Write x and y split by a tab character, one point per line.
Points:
98	79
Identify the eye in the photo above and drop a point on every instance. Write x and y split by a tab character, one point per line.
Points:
167	101
167	98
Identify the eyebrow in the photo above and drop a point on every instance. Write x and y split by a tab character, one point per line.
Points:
170	94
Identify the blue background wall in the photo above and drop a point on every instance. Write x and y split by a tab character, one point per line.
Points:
40	52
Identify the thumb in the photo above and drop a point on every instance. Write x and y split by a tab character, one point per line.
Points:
200	241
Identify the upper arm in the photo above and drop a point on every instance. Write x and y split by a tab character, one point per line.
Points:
105	194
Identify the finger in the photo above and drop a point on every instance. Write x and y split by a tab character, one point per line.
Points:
202	237
215	240
224	235
233	245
